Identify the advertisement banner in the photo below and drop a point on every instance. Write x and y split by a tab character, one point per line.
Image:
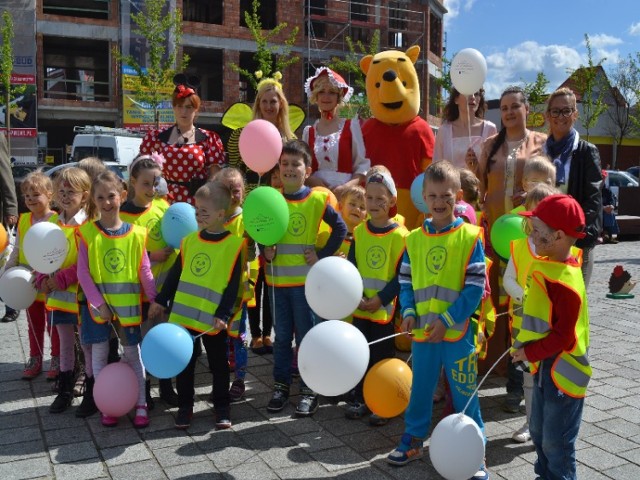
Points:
138	115
22	100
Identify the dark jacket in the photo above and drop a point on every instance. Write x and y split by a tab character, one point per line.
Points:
585	185
8	199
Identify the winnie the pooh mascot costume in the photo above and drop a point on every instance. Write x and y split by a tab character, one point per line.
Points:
396	136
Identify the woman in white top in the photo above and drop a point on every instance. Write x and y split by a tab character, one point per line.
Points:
457	142
336	143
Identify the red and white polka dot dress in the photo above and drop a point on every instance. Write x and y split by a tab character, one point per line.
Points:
185	162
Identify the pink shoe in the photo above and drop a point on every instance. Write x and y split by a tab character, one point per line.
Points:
141	421
108	420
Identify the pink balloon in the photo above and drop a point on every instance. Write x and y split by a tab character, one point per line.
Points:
116	389
260	145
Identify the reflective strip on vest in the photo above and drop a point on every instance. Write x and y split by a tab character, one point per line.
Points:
574	375
200	292
192	313
293	248
292	271
534	324
124	288
374	284
435	291
63	296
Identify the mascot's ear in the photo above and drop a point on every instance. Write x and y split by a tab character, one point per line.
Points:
412	52
365	63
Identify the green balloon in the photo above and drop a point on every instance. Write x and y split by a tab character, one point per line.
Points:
266	215
506	229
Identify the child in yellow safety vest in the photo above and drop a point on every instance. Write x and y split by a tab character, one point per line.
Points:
203	289
71	193
353	211
554	335
144	208
442	280
37	191
376	250
114	272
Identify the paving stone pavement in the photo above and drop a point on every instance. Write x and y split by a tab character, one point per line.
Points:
37	444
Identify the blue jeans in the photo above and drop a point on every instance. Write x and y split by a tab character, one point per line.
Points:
291	314
554	425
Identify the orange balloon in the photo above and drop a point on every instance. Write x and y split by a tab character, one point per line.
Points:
333	201
403	342
4	239
387	387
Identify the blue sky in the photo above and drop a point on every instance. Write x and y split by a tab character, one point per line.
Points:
520	38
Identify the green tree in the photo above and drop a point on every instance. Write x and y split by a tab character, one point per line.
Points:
536	93
349	65
265	53
6	68
156	24
443	84
589	82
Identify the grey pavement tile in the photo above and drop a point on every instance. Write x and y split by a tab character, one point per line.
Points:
369	440
261	441
258	470
611	443
319	440
67	435
23	434
194	471
519	472
125	454
339	458
588	473
172	456
115	438
361	473
165	438
278	458
60	420
598	459
504	454
22	469
620	427
18	420
628	471
73	452
307	471
628	413
84	470
600	402
632	455
622	383
590	414
296	426
144	470
22	450
610	391
341	426
416	470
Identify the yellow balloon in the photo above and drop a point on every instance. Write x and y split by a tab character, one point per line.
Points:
4	239
387	387
403	342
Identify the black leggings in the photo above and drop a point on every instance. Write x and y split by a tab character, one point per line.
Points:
263	302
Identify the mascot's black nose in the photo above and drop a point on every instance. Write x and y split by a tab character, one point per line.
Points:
389	76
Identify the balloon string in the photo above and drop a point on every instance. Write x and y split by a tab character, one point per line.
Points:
203	333
469	122
390	336
483	379
115	332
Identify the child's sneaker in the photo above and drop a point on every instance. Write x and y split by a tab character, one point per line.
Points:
141	419
54	368
307	404
33	368
481	474
522	435
278	400
223	419
410	449
183	418
108	420
236	392
356	410
377	420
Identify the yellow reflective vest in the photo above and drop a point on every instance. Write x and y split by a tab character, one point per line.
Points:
289	268
150	219
114	265
25	222
571	370
439	265
377	257
207	267
246	293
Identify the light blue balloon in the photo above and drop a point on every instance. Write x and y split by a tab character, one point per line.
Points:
166	350
177	222
416	194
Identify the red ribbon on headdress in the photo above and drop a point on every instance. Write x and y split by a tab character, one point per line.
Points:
184	92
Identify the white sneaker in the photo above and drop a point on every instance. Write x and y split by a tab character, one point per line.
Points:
522	435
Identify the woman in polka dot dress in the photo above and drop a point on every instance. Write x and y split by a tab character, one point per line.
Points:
338	148
192	154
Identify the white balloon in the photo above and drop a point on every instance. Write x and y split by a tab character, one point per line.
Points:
333	288
454	434
16	288
468	71
45	247
333	357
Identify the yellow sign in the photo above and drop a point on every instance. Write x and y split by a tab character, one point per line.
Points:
535	120
49	159
137	113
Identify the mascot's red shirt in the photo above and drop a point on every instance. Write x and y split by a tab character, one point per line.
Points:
400	148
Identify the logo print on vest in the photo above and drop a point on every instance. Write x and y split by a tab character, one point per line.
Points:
297	224
200	264
114	260
153	227
376	257
436	258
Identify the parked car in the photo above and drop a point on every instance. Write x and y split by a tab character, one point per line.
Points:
619	179
635	171
117	168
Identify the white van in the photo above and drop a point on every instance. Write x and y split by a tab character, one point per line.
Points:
109	144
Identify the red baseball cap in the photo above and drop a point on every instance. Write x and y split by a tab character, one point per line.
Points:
561	212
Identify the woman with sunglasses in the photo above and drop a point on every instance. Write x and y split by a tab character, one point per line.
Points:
460	137
577	168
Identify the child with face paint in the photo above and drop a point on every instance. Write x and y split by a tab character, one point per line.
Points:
114	271
144	208
442	281
376	250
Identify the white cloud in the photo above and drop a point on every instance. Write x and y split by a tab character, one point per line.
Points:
602	40
453	9
634	29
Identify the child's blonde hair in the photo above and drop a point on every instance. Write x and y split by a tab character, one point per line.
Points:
228	173
540	164
442	172
93	166
470	187
38	182
354	191
215	192
533	198
77	179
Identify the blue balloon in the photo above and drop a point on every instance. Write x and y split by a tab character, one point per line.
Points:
178	221
416	194
166	350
